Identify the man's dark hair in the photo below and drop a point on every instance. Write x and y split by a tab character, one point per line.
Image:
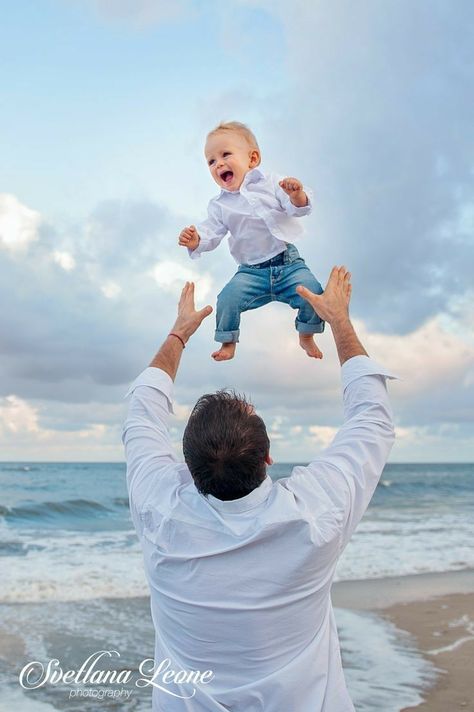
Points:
225	445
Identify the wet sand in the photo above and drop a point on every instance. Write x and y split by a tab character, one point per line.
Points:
438	612
443	629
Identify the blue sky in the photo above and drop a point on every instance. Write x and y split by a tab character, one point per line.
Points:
103	114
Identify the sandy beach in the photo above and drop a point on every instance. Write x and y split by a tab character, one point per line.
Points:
443	628
437	610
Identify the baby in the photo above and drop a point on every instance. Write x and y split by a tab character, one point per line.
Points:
260	212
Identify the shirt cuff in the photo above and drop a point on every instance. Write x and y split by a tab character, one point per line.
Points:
196	254
294	210
155	378
359	366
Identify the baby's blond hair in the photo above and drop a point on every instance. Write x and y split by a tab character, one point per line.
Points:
240	128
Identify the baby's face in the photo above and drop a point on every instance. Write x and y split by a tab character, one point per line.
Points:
229	158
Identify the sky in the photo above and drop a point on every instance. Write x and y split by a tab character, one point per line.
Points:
104	109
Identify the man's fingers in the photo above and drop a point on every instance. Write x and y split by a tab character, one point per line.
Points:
183	295
190	294
337	275
341	275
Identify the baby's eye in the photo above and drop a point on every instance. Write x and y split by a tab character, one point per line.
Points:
226	153
211	161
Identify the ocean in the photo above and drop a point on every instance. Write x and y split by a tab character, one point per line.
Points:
72	581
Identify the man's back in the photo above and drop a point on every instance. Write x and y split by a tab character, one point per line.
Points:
242	588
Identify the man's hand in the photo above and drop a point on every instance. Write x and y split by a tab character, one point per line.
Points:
189	237
188	318
333	304
294	189
333	307
169	356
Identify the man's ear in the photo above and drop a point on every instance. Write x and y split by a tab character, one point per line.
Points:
268	459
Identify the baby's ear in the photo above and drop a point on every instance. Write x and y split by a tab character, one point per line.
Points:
254	158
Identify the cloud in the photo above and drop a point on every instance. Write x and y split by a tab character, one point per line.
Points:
64	259
377	117
16	415
444	442
143	13
19	224
29	432
171	276
83	329
322	434
111	290
69	350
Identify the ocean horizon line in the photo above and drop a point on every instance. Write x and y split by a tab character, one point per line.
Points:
278	462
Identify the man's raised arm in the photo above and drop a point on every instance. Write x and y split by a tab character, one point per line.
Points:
343	478
146	437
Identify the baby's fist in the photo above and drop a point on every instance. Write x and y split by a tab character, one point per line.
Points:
291	185
189	237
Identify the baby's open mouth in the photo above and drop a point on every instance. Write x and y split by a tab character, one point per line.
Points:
227	176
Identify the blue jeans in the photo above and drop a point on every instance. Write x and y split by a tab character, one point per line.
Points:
252	286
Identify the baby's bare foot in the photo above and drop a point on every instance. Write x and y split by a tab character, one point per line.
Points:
225	353
307	343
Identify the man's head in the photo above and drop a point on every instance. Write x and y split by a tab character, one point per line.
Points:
226	446
231	151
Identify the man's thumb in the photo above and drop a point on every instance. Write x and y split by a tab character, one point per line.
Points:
205	312
307	293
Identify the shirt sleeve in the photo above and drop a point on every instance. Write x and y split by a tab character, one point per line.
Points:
211	231
343	478
285	202
148	450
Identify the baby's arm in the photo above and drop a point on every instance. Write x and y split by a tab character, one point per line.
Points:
206	236
294	189
294	198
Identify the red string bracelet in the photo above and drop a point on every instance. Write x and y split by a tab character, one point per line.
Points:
178	337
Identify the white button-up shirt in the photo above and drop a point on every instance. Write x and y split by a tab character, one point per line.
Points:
242	587
260	218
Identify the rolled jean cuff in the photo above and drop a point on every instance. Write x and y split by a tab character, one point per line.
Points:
227	337
303	328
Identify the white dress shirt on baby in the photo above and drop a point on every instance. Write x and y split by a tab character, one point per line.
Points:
260	217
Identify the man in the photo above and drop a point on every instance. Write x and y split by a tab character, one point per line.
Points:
240	568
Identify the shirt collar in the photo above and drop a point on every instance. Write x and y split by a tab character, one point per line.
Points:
252	176
251	500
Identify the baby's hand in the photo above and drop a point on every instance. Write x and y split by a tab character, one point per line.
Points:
294	188
189	237
291	185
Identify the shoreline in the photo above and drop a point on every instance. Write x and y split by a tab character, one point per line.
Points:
437	611
380	593
443	630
